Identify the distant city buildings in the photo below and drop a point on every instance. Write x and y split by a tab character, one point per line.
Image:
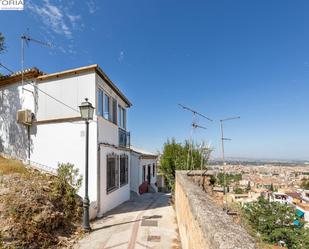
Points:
277	184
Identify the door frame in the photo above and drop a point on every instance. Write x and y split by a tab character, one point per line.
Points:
149	173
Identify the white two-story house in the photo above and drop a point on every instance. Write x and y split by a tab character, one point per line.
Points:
55	132
143	171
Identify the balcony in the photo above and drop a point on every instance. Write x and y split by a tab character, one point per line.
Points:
124	138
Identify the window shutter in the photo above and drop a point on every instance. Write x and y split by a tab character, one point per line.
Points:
106	106
109	171
100	103
126	168
119	115
110	116
114	111
117	166
107	175
124	118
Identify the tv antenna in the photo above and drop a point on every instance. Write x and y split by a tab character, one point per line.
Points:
223	158
26	39
194	112
222	135
194	126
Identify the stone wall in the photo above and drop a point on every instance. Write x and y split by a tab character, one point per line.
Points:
202	225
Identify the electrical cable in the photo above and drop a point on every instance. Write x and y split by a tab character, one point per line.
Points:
47	94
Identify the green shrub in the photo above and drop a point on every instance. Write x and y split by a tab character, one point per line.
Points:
273	222
238	190
176	156
228	178
41	207
305	184
67	185
212	180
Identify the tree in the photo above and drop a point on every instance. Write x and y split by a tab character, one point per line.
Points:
238	190
271	188
175	156
273	221
229	178
212	180
305	184
2	44
172	157
67	184
248	187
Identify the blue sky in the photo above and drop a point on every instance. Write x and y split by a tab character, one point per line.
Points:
222	58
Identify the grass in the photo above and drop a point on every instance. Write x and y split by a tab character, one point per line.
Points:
39	210
10	166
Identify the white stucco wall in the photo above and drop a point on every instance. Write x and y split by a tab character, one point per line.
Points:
107	89
107	132
14	136
147	162
118	196
72	90
53	143
65	142
135	172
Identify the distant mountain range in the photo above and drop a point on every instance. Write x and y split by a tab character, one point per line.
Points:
259	160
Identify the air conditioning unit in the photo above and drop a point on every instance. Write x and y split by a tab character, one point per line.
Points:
24	117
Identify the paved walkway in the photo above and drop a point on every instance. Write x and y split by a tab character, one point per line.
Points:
147	221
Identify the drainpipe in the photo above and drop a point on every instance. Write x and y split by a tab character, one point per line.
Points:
29	143
99	178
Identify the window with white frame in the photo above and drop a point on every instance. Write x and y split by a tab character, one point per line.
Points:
106	107
112	177
100	102
123	165
121	117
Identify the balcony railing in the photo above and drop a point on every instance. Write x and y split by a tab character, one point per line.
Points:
124	138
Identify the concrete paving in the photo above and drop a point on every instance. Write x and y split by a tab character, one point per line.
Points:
146	221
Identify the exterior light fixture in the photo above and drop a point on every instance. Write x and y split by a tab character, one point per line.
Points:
86	112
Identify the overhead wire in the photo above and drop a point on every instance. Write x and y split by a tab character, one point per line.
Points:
47	94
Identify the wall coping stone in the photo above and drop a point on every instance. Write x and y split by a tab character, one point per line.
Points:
215	224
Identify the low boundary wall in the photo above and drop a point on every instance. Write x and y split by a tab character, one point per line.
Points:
202	225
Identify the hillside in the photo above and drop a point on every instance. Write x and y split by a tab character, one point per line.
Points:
37	210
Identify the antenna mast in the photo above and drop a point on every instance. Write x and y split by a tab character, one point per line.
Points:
223	156
26	38
194	126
